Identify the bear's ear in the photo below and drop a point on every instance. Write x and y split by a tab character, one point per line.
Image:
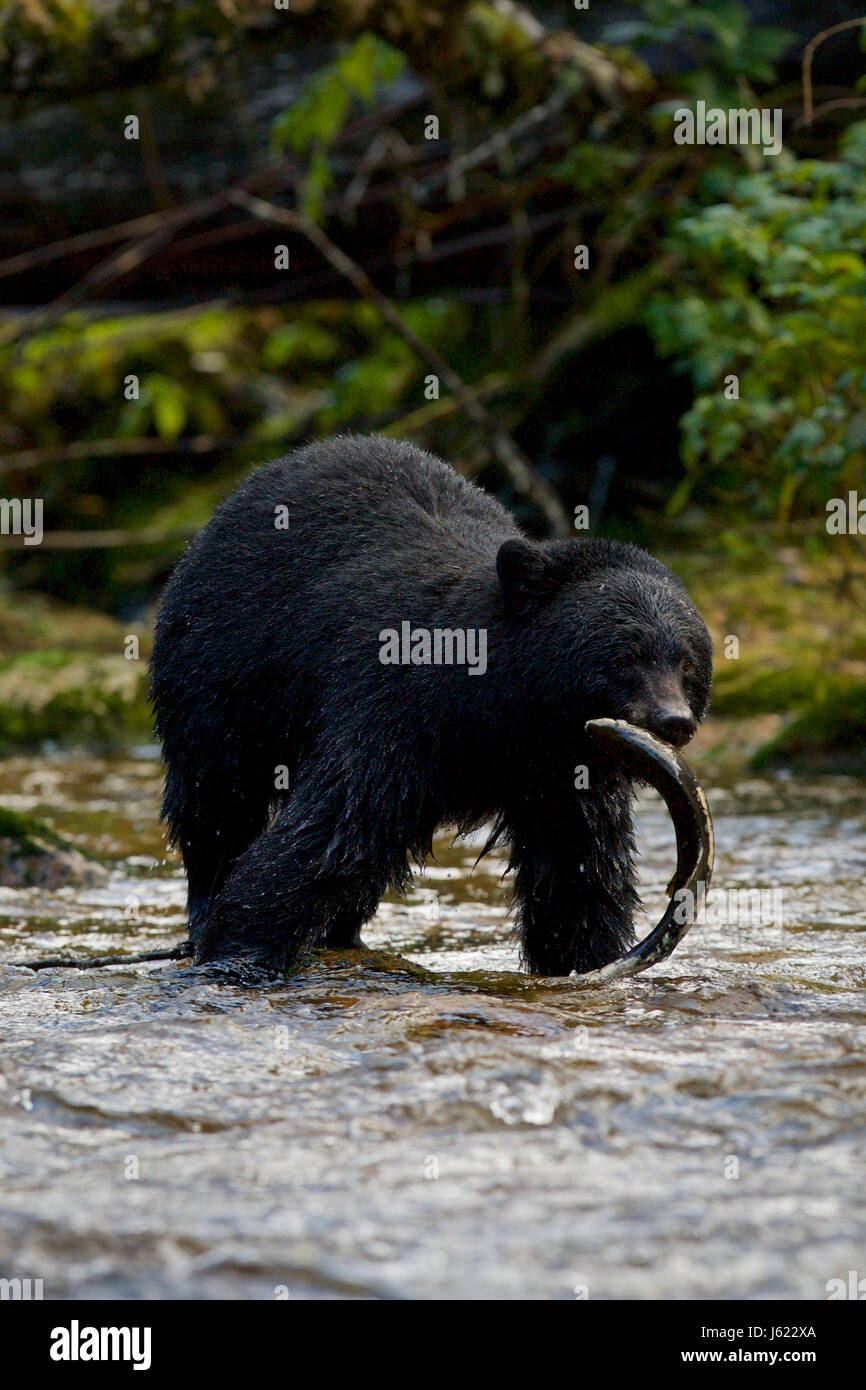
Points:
526	575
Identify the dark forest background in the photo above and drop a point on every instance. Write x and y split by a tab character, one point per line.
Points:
152	351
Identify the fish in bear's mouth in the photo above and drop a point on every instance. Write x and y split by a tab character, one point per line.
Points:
658	763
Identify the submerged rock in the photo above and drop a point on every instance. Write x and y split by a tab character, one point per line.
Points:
32	856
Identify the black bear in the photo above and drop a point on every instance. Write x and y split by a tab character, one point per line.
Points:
361	646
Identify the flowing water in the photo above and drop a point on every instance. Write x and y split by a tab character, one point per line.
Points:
422	1120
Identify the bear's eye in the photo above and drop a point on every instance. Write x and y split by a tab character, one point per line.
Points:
686	663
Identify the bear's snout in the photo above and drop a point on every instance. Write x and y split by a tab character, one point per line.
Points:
675	726
665	714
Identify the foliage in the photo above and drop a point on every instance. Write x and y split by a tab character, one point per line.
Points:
724	46
829	734
772	289
311	126
752	269
259	379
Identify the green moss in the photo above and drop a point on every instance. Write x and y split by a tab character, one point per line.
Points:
829	734
770	692
32	836
63	678
32	624
86	715
49	659
22	829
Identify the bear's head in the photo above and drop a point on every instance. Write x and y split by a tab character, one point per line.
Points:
606	631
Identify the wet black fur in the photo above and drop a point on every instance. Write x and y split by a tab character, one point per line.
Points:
266	653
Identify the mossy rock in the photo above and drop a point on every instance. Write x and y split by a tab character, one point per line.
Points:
31	623
33	856
828	736
779	690
66	698
64	678
93	717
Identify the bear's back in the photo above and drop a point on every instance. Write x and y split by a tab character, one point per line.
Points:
358	493
384	478
352	524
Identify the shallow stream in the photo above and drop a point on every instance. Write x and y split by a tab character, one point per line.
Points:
424	1120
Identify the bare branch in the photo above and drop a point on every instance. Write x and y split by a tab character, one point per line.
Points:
121	263
99	540
521	472
809	53
839	104
27	459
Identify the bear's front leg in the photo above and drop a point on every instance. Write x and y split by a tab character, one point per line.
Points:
574	884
